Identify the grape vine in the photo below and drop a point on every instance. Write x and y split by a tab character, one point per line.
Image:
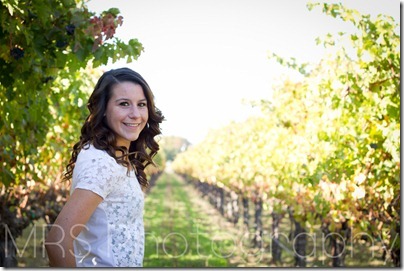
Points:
325	149
49	52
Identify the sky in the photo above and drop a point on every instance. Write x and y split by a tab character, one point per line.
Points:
203	59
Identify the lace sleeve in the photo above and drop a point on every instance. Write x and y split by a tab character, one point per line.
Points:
95	174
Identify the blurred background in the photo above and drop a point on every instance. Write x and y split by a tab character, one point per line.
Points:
204	58
281	145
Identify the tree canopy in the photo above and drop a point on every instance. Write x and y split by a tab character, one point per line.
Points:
44	47
49	54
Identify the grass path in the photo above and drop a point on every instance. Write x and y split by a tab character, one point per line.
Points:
182	230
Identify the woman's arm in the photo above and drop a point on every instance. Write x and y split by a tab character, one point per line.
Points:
69	223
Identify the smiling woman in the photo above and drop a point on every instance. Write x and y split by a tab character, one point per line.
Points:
102	223
126	112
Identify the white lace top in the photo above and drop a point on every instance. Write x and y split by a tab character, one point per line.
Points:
114	234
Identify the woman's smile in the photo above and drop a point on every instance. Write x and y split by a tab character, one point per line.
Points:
127	112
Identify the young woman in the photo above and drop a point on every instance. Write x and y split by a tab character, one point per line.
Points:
101	225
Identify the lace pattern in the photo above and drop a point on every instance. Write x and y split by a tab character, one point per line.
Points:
122	208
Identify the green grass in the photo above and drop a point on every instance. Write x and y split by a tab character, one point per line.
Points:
30	249
178	234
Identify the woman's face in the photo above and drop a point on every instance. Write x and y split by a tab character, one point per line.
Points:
127	112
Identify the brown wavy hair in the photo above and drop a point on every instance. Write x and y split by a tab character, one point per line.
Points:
95	130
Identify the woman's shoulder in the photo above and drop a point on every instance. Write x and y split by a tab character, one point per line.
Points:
92	159
90	152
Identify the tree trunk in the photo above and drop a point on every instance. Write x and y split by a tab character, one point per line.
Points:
337	243
276	250
212	195
220	200
234	206
337	250
299	241
246	215
227	206
395	245
8	254
257	241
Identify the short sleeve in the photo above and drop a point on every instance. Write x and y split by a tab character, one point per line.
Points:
95	174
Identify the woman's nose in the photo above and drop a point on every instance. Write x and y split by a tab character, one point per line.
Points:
135	113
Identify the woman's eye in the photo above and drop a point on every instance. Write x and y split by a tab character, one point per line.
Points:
124	104
142	104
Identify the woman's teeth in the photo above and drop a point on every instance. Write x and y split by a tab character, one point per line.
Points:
132	124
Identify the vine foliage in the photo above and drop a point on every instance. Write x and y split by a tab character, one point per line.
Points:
325	147
49	54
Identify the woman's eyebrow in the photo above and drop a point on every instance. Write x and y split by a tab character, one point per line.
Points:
127	99
122	99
